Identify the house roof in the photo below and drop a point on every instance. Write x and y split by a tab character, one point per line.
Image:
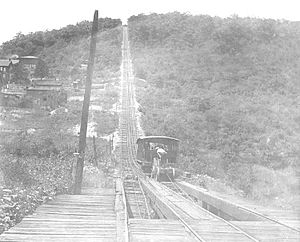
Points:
4	63
159	139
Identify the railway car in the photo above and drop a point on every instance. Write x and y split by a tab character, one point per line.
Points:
157	156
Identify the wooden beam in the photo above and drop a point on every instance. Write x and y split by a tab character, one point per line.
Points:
223	205
121	213
159	203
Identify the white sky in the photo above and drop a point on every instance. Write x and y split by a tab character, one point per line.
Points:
34	15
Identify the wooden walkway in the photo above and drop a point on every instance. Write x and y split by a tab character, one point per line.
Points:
263	223
197	220
150	230
241	209
91	216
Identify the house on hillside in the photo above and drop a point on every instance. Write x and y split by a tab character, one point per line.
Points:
5	69
7	66
29	63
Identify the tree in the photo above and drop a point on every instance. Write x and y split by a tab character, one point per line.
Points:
41	70
19	74
233	36
226	88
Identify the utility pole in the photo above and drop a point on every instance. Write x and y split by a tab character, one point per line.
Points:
85	108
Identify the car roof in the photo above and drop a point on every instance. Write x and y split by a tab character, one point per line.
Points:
158	139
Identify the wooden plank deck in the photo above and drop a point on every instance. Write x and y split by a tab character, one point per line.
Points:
206	225
241	209
87	217
268	231
146	230
248	215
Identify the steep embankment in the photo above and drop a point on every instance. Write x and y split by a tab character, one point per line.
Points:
229	89
64	50
36	163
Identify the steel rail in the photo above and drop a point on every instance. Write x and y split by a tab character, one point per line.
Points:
131	147
223	220
137	202
126	102
133	132
182	220
268	218
131	153
129	126
265	217
179	188
217	217
143	178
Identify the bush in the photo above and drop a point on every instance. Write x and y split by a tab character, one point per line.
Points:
16	203
241	176
30	181
269	184
25	102
16	172
222	86
36	165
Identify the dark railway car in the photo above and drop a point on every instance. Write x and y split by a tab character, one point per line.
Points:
157	156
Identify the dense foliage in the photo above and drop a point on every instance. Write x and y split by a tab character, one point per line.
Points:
64	50
42	70
37	162
36	165
228	88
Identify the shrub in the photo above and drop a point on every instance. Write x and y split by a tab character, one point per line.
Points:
269	184
241	176
25	102
16	172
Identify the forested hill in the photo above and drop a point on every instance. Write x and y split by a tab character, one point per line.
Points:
229	89
65	49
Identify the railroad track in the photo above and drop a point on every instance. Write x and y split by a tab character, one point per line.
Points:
258	214
139	188
128	134
176	188
193	224
136	199
172	186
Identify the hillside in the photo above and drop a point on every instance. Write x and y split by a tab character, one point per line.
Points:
229	89
38	151
64	50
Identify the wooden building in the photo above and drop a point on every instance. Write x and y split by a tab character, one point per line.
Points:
5	71
29	63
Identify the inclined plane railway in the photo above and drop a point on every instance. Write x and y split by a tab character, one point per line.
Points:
143	194
140	208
